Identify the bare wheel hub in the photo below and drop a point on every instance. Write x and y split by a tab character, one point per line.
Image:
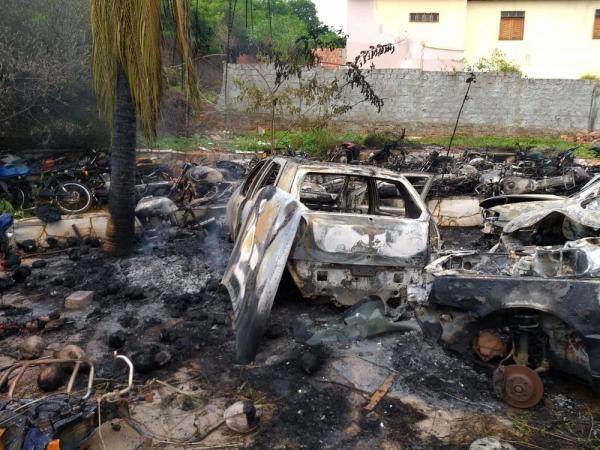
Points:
523	387
73	197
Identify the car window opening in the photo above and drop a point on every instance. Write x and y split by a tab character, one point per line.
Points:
356	195
252	176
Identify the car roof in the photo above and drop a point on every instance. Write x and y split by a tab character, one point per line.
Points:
332	167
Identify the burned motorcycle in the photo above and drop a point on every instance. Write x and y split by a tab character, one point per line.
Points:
24	189
347	152
198	184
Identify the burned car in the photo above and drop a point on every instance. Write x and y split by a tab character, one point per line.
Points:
343	232
577	217
498	211
531	305
520	314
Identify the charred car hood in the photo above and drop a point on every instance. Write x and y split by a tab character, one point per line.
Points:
505	213
573	210
257	263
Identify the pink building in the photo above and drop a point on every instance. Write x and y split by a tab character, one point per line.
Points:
428	35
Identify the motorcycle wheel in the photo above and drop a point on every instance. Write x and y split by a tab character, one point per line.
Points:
78	200
16	198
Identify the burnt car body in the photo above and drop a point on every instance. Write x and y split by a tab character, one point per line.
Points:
498	211
343	232
532	304
575	218
538	308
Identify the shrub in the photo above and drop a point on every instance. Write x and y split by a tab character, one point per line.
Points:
496	63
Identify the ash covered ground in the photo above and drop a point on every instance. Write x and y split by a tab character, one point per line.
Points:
166	299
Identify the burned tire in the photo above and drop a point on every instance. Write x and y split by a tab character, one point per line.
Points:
76	199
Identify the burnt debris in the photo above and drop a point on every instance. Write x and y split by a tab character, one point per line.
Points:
313	303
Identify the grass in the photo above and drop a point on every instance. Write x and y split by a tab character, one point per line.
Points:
571	433
497	142
318	141
178	143
6	207
314	142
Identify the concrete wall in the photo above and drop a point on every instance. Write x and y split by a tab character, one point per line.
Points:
428	46
426	103
557	39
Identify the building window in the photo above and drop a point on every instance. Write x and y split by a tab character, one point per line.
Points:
424	17
512	25
596	33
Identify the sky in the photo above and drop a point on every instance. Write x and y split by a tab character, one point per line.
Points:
332	12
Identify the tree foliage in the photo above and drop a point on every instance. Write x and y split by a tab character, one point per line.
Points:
128	34
258	26
45	82
323	100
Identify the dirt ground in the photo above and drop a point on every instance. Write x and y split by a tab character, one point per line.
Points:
167	298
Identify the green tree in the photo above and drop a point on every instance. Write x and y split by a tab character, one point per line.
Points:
255	22
127	71
306	11
46	91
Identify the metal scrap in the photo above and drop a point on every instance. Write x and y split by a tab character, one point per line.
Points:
381	392
24	365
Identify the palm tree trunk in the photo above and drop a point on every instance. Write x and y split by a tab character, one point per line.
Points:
121	204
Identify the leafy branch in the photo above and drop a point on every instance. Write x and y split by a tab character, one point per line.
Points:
325	97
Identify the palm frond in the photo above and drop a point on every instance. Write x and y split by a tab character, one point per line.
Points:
104	58
182	28
139	53
128	34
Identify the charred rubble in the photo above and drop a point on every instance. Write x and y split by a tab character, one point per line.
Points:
317	220
307	302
